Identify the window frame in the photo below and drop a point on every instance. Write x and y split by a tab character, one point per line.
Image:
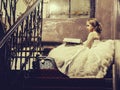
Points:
91	13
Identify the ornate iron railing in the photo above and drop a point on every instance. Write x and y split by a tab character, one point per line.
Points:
23	37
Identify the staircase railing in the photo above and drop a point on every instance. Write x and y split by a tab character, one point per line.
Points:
23	38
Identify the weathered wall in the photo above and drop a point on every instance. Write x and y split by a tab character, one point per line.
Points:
117	19
57	29
105	14
117	43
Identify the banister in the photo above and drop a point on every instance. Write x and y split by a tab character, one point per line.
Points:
18	22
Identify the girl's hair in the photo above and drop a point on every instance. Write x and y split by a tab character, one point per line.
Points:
94	22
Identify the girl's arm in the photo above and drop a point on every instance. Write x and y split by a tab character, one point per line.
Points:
90	39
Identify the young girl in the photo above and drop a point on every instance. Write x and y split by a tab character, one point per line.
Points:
95	29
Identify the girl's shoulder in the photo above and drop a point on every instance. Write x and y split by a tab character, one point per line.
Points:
94	35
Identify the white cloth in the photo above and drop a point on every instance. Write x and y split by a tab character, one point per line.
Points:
78	61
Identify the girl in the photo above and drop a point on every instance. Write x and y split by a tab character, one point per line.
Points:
85	61
95	29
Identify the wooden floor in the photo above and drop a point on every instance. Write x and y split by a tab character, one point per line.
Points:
53	80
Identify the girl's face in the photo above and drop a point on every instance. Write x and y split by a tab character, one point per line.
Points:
89	27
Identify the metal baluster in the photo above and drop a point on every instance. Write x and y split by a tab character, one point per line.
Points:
34	32
30	41
21	42
10	6
40	41
14	11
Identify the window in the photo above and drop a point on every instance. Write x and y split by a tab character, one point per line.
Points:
69	8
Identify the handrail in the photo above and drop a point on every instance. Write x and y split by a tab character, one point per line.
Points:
17	23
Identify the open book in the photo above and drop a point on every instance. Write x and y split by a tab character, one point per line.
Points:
72	41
